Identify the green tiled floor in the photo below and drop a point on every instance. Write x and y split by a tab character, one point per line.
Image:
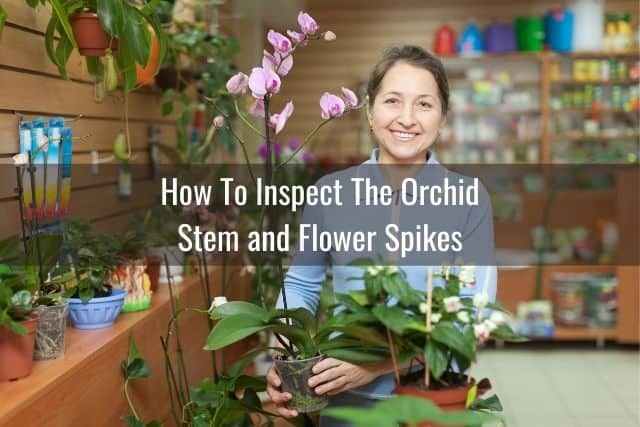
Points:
565	388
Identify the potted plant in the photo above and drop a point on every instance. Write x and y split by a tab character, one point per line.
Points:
438	329
302	343
17	322
93	302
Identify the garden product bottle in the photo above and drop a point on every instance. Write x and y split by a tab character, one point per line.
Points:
529	33
39	145
445	41
124	180
588	24
558	28
65	174
470	42
25	148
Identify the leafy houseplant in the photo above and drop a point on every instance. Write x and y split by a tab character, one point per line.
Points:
93	302
17	324
439	330
305	344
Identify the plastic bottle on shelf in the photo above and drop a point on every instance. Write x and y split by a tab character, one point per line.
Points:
588	24
624	34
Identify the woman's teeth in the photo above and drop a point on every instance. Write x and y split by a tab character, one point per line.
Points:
403	135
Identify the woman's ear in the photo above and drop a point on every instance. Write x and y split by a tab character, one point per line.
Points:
369	116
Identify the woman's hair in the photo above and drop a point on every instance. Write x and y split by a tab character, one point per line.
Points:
413	55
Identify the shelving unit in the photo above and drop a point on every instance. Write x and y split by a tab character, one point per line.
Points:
516	285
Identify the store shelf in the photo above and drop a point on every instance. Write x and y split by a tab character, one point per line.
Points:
494	56
581	333
576	136
496	110
466	82
593	110
632	53
574	82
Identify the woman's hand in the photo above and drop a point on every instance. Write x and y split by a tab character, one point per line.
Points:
277	396
333	376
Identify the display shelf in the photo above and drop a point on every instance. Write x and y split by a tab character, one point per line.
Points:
574	82
513	83
495	110
494	56
578	136
632	53
593	110
583	333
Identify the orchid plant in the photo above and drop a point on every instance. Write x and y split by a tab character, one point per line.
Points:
261	86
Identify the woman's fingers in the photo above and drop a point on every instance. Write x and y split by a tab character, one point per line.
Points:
286	412
277	396
332	386
273	378
325	364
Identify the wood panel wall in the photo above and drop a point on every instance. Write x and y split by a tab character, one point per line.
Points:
30	85
364	28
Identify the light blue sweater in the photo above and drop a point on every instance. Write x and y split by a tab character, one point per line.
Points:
307	272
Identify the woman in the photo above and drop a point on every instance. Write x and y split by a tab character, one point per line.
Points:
408	99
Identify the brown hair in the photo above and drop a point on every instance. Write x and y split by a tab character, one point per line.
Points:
413	55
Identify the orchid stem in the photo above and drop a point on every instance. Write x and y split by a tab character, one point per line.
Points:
245	121
305	142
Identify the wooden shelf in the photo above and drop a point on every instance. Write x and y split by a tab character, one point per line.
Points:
582	333
465	81
633	53
593	110
598	137
496	110
493	56
574	82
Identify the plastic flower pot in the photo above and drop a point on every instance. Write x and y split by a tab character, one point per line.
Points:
97	313
91	38
16	351
295	376
51	332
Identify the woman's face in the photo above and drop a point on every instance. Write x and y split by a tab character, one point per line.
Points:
406	114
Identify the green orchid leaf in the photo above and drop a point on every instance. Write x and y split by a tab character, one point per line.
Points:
351	303
234	308
232	329
304	317
3	19
398	287
504	333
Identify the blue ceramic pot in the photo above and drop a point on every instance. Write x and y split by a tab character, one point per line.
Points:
98	312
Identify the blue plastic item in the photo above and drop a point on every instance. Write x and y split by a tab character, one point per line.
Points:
500	38
98	313
470	41
558	28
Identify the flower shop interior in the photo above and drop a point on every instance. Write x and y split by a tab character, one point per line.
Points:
544	103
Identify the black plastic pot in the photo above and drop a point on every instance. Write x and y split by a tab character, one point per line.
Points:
295	376
51	332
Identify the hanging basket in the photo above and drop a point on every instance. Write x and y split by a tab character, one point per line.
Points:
91	38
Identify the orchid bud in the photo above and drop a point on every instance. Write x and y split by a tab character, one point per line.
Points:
217	302
218	122
350	98
307	24
237	84
279	42
257	108
298	38
329	36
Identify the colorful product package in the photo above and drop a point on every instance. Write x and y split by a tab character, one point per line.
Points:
38	150
53	157
25	147
65	170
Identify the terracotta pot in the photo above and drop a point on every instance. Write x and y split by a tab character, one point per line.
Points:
450	399
16	351
153	270
145	75
91	38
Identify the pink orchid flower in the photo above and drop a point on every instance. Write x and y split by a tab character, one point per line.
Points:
263	81
278	120
308	156
331	105
257	108
293	144
350	98
275	62
237	84
307	24
279	42
262	150
299	38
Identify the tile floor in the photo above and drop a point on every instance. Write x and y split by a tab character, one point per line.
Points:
561	387
576	386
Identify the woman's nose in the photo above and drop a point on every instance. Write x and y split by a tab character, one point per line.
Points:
407	116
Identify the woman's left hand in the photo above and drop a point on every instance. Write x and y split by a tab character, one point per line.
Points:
333	376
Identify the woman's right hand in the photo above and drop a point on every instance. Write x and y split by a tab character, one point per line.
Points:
277	396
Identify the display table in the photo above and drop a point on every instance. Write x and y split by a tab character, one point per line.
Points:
85	386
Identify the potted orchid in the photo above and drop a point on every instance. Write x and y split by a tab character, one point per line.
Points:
437	329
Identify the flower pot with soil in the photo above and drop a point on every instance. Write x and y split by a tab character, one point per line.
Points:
51	333
16	350
295	376
91	38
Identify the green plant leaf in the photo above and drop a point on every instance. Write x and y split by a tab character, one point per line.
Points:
393	318
111	15
359	355
234	308
436	357
491	403
232	329
447	334
3	19
62	15
398	287
136	34
134	366
504	333
305	318
132	421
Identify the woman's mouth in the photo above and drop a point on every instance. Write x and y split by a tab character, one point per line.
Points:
403	136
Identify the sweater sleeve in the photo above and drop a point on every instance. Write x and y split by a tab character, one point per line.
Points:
307	272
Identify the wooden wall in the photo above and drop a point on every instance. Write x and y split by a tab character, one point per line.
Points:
30	85
364	28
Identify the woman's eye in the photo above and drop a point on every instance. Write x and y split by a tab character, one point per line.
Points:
424	104
391	101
